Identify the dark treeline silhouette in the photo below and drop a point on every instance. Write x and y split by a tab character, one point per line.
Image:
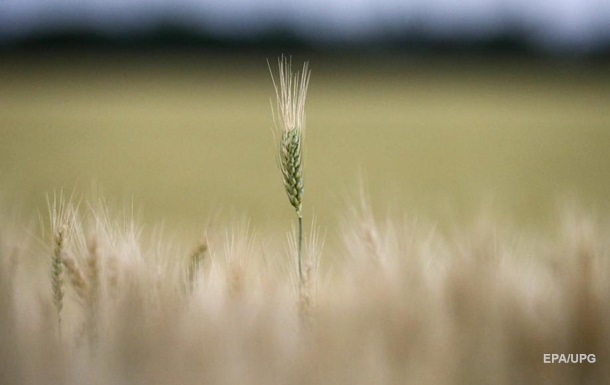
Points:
174	38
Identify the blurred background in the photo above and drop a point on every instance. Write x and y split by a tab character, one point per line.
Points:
442	107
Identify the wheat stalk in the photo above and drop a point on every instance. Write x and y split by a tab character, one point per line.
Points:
57	273
291	94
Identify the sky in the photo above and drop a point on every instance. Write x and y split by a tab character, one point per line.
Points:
555	25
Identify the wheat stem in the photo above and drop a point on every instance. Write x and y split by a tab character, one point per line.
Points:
299	251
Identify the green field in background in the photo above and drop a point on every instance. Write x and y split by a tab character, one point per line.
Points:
188	138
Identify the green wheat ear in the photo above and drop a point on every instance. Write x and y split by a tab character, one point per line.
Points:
289	119
292	168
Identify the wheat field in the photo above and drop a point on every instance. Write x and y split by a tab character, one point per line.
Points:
477	242
397	303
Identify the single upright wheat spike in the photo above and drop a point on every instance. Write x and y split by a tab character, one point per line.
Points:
57	272
291	94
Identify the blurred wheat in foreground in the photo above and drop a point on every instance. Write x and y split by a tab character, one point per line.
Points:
398	304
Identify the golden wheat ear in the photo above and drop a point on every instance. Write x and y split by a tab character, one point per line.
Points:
291	94
62	215
57	272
